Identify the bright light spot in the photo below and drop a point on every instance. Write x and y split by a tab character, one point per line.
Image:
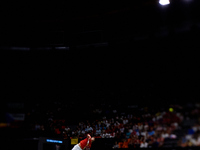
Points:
53	141
171	109
164	2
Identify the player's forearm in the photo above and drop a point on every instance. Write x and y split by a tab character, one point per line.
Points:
88	136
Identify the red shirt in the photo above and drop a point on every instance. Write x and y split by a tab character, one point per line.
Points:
85	144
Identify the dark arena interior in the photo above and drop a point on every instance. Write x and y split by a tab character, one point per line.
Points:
126	73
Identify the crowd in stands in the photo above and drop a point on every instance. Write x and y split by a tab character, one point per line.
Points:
148	130
136	127
142	128
191	136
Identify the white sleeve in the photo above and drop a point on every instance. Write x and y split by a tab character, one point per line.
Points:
88	141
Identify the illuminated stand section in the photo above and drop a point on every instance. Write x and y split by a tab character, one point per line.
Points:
52	144
164	2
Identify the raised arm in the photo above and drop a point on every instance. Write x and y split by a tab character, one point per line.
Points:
88	136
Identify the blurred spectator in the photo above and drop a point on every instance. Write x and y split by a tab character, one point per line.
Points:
108	130
98	132
121	128
143	144
67	128
164	134
190	131
103	134
125	120
37	126
125	143
115	145
151	131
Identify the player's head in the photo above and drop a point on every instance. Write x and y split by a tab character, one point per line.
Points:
93	139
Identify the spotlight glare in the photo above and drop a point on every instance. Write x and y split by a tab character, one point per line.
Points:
164	2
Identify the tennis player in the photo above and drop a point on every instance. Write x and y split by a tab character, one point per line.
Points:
84	144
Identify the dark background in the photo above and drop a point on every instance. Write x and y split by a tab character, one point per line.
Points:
158	69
